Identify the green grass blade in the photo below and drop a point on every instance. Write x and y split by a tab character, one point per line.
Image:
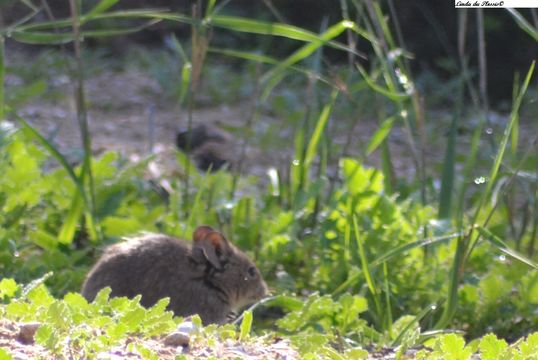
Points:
69	227
501	245
35	37
42	37
464	247
523	24
246	325
502	147
264	59
246	55
198	206
186	72
388	307
402	249
100	8
398	252
312	146
389	177
454	280
278	29
366	268
178	49
275	75
2	76
515	131
468	170
209	8
415	321
55	153
124	14
392	95
67	231
449	162
380	135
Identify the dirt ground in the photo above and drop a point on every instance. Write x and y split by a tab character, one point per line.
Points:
129	113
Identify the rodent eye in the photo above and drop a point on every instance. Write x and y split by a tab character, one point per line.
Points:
252	271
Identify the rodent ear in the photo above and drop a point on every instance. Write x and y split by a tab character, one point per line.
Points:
213	246
201	232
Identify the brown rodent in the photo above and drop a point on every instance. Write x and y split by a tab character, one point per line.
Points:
209	277
208	146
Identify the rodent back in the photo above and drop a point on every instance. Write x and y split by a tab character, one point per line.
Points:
146	265
209	276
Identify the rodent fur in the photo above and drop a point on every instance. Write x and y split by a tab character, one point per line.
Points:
209	276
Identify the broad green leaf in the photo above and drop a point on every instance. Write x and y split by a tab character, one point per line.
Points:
46	336
359	179
452	347
8	287
44	240
491	348
4	355
529	347
118	226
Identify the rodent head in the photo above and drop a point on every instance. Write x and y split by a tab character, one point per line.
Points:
228	268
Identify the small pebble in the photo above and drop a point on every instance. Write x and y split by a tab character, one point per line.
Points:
27	332
186	327
176	339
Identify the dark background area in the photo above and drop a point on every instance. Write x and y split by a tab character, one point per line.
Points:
429	30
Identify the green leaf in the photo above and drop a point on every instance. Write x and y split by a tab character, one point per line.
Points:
8	287
452	347
360	179
502	147
54	152
4	355
2	76
46	336
499	244
380	135
263	28
246	325
392	95
529	347
118	227
276	74
76	301
523	23
103	6
318	131
69	227
491	347
44	240
365	264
